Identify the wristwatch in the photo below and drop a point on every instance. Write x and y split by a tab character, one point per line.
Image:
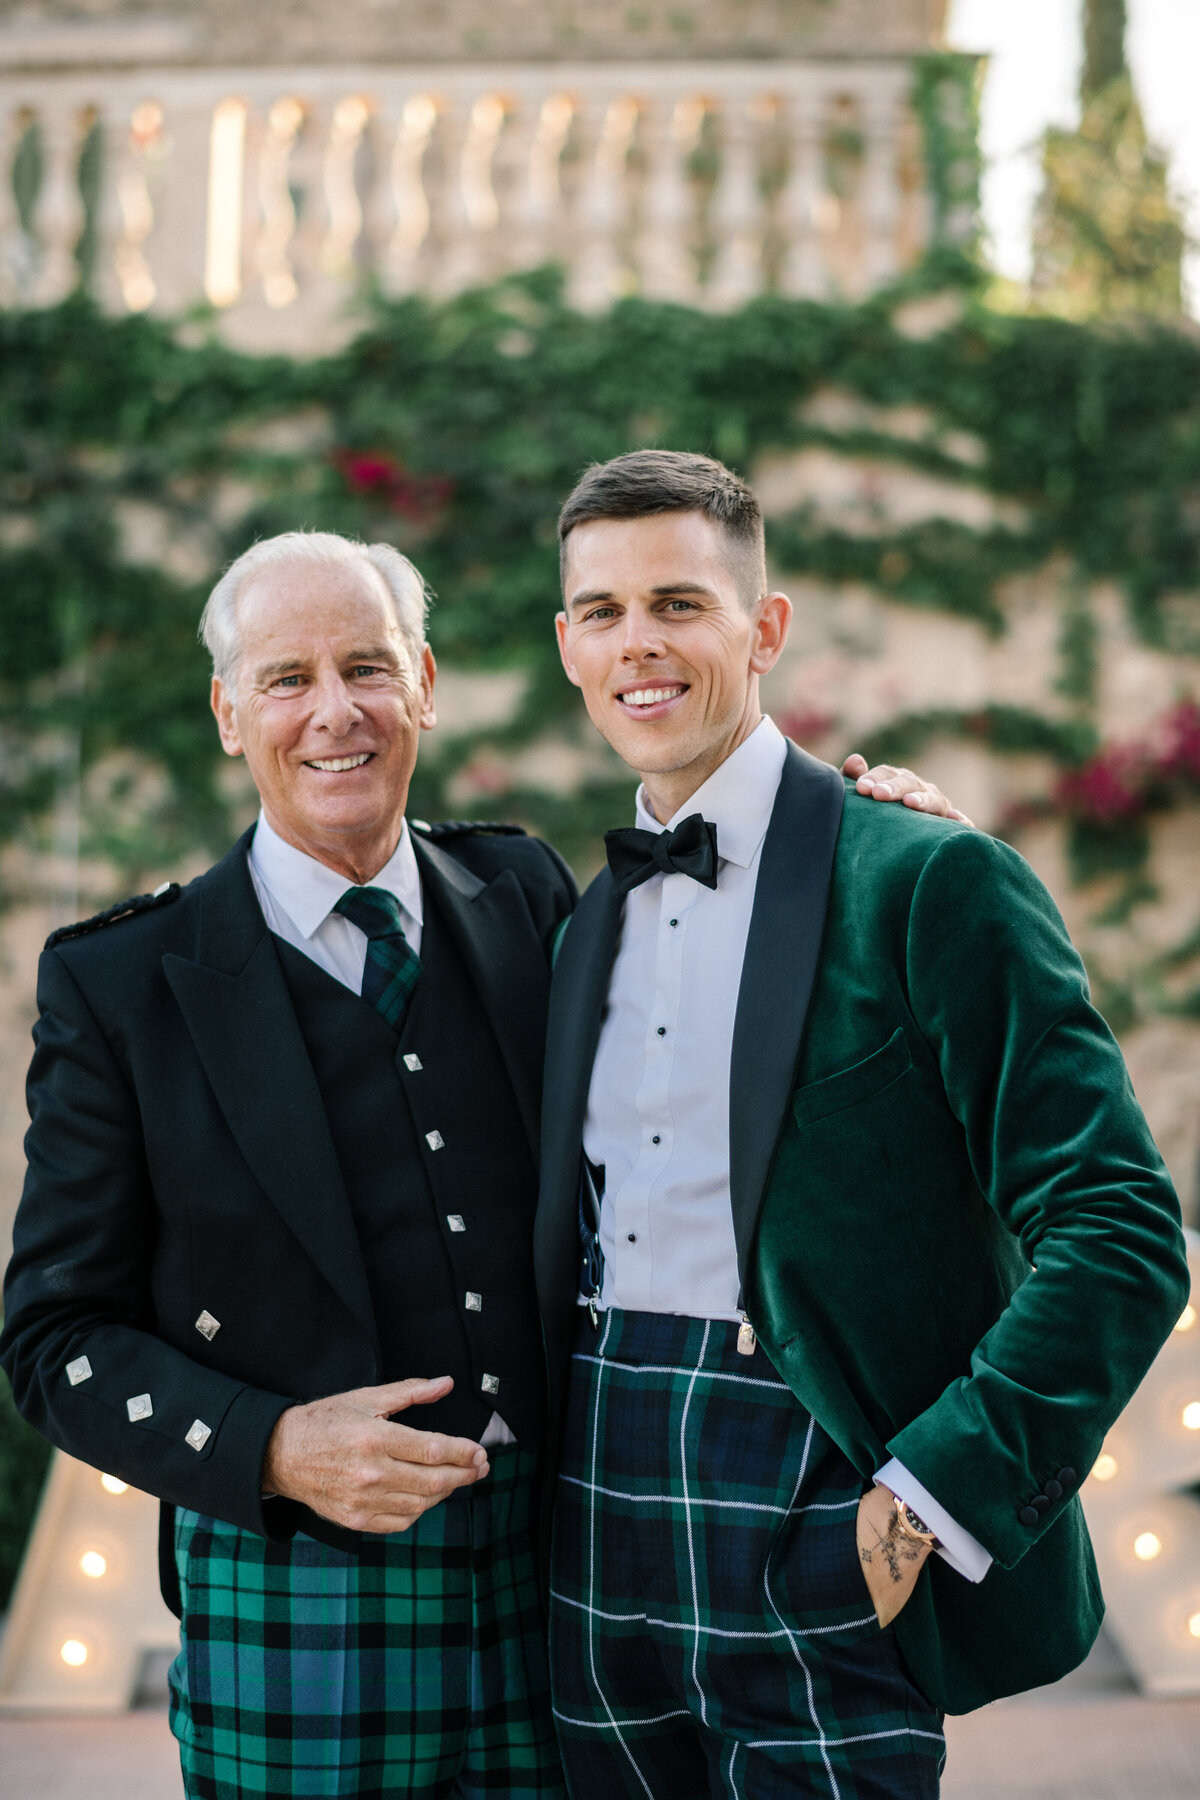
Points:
912	1526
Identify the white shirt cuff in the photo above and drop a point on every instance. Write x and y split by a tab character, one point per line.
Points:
965	1554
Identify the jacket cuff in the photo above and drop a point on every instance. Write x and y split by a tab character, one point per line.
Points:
964	1553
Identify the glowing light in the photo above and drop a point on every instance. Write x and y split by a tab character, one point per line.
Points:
1105	1467
1194	1625
1186	1319
1146	1546
1191	1415
227	148
93	1564
74	1654
113	1485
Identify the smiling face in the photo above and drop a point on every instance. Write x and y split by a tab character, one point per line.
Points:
328	708
663	647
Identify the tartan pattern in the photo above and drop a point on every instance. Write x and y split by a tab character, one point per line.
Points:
711	1631
415	1666
392	965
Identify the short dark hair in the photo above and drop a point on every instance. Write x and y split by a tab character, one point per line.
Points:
645	482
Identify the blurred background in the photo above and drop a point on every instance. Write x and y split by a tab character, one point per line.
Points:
924	272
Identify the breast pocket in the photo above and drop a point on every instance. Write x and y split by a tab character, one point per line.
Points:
861	1081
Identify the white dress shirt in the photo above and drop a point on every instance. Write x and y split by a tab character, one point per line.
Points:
658	1106
297	895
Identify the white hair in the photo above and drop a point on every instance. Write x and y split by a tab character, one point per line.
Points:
403	582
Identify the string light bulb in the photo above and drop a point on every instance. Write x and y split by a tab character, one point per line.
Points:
1104	1467
1186	1319
94	1564
1146	1546
74	1654
112	1484
1191	1415
1194	1624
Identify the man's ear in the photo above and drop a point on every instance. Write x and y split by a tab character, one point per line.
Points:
560	629
428	677
771	629
221	702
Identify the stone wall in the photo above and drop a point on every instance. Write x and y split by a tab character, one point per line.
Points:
275	31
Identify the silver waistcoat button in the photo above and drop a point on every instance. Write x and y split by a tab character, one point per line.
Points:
140	1407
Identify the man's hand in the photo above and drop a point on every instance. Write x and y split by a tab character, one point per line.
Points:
883	782
891	1561
346	1459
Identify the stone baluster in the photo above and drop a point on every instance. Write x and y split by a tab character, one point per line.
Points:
350	117
125	215
277	209
802	271
599	272
666	263
881	189
533	210
460	214
401	252
737	210
178	172
58	211
14	251
306	180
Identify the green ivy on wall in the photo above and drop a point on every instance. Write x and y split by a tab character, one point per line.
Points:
135	462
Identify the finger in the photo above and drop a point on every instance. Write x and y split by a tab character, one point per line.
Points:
877	781
432	1449
854	764
398	1396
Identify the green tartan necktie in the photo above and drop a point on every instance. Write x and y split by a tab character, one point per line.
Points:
392	965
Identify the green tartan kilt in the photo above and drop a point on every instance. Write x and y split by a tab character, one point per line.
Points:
415	1665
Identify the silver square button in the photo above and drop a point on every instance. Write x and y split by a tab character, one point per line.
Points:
474	1302
490	1384
140	1407
435	1140
79	1370
413	1063
199	1434
456	1222
207	1326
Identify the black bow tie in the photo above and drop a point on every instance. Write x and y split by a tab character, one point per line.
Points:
691	849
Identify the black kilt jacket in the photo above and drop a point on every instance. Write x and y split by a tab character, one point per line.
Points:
179	1149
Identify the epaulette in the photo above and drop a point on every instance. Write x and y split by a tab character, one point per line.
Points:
445	828
124	909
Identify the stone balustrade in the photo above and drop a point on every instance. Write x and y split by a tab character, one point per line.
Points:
275	194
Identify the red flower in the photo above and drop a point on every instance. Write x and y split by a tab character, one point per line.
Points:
417	497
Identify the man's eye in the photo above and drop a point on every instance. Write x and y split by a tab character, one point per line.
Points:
291	681
365	669
601	613
681	606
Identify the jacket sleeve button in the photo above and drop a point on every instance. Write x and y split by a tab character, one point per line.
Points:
1040	1504
1027	1516
1067	1478
1053	1490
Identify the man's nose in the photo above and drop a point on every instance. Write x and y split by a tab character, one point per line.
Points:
335	708
642	637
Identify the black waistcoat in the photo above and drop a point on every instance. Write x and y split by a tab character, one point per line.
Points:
441	1182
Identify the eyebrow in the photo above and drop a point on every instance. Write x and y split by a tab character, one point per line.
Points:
290	665
663	592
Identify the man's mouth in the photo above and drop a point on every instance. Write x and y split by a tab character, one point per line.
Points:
336	765
643	701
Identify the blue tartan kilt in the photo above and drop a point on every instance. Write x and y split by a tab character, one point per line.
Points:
711	1628
415	1665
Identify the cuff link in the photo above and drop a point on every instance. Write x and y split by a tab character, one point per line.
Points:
490	1384
435	1140
199	1435
79	1370
207	1326
474	1302
456	1222
140	1407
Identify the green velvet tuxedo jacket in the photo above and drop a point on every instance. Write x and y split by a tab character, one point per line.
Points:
957	1241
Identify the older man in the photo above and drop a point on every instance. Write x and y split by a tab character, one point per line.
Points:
282	1155
281	1160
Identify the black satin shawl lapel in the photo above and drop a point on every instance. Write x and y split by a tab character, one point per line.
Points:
237	1007
493	929
780	965
578	994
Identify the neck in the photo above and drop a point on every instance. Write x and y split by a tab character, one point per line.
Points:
359	859
669	790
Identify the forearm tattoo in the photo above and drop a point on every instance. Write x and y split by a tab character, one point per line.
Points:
892	1547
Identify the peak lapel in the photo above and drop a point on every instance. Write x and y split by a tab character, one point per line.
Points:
493	928
237	1007
777	975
